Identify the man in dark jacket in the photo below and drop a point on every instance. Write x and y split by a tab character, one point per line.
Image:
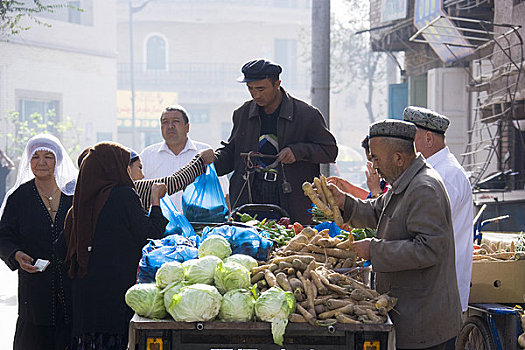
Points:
290	134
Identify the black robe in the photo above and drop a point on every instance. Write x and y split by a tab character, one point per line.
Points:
27	226
122	230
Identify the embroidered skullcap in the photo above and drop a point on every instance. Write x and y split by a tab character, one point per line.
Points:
393	128
426	119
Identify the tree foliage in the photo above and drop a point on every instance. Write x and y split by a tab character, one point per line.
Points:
352	58
20	131
13	13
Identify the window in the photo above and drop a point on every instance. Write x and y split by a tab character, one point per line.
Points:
74	15
156	53
30	109
198	116
77	12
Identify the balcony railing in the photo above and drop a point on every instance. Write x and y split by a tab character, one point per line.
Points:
203	76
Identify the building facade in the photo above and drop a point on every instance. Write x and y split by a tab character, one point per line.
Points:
65	70
191	52
464	58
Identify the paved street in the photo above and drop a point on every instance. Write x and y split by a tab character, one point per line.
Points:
8	306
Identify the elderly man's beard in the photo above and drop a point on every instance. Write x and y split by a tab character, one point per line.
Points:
394	173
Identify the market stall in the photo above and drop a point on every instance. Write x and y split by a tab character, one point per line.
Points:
308	291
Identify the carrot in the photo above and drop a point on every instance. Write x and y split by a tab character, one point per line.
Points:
283	282
338	219
307	316
270	279
347	309
320	191
296	318
346	319
310	192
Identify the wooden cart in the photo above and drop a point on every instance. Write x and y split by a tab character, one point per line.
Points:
147	334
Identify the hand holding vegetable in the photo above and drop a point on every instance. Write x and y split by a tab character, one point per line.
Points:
362	248
339	196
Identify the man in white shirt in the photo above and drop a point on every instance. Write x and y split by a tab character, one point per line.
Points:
430	141
164	158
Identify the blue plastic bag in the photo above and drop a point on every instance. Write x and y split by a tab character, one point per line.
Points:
243	240
203	200
178	223
160	251
333	229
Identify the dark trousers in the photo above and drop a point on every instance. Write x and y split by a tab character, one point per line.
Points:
35	337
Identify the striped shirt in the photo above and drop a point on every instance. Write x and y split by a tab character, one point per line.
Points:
176	182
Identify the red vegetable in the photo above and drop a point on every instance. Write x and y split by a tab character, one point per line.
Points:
297	227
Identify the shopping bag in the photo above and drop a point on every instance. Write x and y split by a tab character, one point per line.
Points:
243	240
178	224
159	251
203	200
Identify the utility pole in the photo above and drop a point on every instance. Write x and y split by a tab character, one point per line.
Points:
132	11
321	62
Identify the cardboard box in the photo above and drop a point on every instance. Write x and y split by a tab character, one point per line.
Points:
497	282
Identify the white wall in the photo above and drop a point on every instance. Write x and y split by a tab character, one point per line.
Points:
75	64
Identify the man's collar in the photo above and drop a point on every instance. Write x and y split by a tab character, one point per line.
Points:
188	146
286	107
438	156
404	179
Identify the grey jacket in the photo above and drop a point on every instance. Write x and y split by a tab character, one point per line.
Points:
413	255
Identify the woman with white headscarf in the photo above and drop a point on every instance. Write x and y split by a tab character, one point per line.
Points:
32	217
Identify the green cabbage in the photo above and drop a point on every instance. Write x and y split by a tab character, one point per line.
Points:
275	305
215	245
146	300
201	270
237	306
168	273
245	260
171	290
195	303
230	276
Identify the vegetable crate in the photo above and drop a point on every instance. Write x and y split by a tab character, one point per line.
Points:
147	334
497	282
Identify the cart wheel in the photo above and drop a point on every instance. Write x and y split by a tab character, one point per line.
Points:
475	335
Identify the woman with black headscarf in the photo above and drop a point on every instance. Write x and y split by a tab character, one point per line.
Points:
105	231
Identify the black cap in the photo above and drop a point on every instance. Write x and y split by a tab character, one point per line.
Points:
258	70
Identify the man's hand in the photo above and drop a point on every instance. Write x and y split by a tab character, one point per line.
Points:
343	184
208	155
373	180
158	191
362	248
286	156
25	262
339	196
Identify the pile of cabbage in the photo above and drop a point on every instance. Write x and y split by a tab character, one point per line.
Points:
214	286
